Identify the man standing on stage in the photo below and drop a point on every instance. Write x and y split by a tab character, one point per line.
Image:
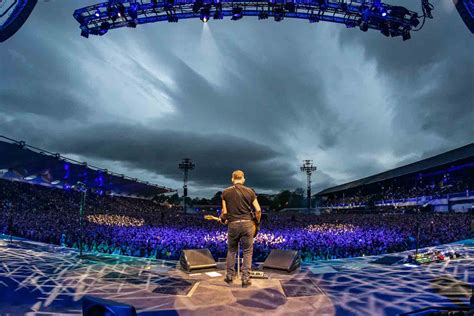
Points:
241	211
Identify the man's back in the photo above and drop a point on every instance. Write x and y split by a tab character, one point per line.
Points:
239	199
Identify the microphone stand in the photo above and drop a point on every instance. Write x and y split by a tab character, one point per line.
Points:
238	259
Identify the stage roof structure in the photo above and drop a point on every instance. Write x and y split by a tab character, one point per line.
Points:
390	20
443	159
19	161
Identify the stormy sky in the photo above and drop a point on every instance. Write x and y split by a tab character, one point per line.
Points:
254	95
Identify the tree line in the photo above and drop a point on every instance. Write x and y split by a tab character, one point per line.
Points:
274	202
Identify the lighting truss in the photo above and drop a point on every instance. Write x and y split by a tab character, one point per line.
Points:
390	20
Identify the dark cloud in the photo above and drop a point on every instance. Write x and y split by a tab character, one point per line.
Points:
259	96
59	104
159	151
431	75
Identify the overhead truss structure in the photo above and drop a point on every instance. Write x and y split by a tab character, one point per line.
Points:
390	20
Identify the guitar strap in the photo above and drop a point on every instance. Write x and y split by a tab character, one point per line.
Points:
249	206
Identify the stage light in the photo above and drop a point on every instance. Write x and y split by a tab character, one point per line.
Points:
132	24
262	15
236	13
278	14
414	20
133	11
290	7
112	13
205	14
172	18
197	6
364	26
104	28
85	34
406	35
97	13
218	15
384	30
121	10
313	18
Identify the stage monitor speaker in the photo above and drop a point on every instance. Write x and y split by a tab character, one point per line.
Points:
466	11
286	260
95	306
194	259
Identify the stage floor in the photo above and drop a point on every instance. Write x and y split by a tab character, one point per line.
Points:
43	279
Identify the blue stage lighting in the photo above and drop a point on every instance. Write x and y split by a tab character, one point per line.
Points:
104	28
121	10
236	13
373	13
133	11
205	14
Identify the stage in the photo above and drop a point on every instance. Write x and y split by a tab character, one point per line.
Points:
47	279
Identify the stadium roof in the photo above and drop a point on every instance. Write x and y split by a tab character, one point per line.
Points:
419	166
19	161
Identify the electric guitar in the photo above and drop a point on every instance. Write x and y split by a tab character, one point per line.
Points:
214	218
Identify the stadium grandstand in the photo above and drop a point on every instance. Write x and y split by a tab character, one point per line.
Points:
444	182
22	162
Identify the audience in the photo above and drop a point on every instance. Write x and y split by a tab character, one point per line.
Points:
142	228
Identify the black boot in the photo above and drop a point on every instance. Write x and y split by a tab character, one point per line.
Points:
246	283
228	279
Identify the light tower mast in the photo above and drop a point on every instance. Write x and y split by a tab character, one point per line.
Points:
308	168
186	165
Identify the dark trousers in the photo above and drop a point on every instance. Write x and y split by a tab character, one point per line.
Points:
240	231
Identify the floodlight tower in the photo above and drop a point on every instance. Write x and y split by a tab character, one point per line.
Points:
308	168
186	165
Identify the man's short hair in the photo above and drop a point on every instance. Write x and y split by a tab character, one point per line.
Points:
237	175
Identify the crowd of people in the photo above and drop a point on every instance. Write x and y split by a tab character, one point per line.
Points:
137	227
430	186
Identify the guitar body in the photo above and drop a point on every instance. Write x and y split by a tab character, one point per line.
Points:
257	226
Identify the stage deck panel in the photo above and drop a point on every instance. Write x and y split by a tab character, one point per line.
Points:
41	278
